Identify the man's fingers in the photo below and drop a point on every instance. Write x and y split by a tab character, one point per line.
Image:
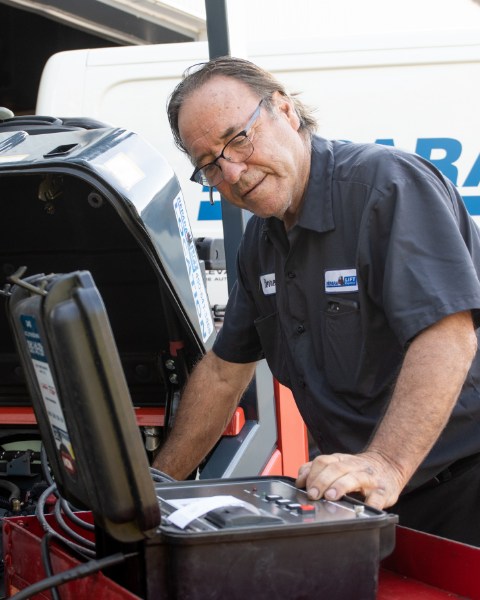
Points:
303	473
333	487
323	474
335	475
310	471
378	499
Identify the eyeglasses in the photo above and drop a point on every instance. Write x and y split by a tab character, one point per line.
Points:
236	150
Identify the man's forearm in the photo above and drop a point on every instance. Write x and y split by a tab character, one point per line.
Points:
434	370
206	407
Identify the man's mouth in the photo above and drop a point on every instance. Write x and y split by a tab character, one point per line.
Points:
251	188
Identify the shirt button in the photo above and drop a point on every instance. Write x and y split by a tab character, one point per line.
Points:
300	329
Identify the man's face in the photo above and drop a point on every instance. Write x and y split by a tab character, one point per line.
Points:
272	181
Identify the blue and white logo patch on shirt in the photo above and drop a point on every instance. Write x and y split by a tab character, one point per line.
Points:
344	280
268	284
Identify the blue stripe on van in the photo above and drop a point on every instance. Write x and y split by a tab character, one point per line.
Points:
473	204
207	212
210	212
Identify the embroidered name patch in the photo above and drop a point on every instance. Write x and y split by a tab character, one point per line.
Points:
268	284
341	281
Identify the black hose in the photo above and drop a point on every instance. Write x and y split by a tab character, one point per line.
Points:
69	531
12	488
47	563
49	529
45	467
160	476
67	509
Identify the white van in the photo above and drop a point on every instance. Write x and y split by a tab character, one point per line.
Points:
418	91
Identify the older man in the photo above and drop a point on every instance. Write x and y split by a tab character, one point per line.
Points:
358	282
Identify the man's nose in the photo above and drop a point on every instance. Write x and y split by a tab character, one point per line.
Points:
232	171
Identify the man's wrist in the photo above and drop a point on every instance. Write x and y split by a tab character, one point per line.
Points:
391	467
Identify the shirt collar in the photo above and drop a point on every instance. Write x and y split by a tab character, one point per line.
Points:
316	211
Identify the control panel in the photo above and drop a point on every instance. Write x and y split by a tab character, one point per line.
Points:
227	504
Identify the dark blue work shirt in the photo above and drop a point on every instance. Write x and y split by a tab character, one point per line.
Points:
383	248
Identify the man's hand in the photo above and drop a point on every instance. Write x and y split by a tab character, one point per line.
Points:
334	475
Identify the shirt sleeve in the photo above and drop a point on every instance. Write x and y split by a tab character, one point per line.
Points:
238	340
420	255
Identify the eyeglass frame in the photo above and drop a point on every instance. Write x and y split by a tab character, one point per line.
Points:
244	133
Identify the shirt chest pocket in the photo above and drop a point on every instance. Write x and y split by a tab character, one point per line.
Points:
342	344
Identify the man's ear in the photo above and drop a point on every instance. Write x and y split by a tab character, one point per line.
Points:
286	108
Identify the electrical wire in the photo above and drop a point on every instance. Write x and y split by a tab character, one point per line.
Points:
160	476
49	529
77	572
45	468
67	529
67	509
47	563
66	506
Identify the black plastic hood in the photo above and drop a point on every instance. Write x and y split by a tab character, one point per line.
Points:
105	201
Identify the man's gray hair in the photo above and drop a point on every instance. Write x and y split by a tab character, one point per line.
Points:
263	83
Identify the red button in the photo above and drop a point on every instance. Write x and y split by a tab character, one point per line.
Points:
306	508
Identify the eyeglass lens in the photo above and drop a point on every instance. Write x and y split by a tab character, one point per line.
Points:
238	149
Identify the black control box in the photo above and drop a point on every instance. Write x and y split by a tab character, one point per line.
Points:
262	538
